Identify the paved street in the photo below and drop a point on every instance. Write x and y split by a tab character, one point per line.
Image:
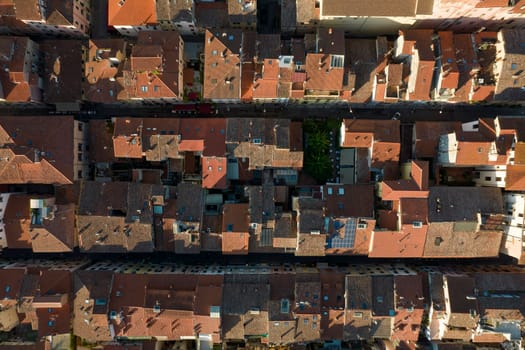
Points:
405	112
211	258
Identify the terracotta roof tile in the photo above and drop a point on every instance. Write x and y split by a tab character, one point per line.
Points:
16	85
421	40
310	244
105	59
409	242
473	153
235	228
510	80
356	8
54	143
125	226
321	75
339	203
247	87
127	146
91	303
444	240
214	172
427	136
450	75
100	141
266	86
62	68
385	155
222	68
212	14
515	178
131	12
492	3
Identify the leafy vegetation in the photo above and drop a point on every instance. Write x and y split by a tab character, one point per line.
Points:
317	161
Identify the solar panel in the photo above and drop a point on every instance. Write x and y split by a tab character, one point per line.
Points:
335	241
266	237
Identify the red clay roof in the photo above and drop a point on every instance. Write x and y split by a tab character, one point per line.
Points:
383	130
450	74
385	155
492	3
127	146
17	220
214	172
359	139
421	40
131	12
407	243
235	226
515	179
473	153
266	85
53	138
444	240
17	86
320	75
222	68
100	72
340	200
18	169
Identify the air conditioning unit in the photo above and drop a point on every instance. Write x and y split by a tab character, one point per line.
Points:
362	225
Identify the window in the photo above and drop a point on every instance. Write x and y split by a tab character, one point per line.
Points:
214	53
80	147
156	88
144	88
80	126
79	174
498	178
79	156
488	178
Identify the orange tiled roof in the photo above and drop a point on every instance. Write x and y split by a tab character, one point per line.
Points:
359	139
19	169
450	78
492	3
421	40
131	12
214	172
385	155
55	142
191	145
473	153
235	236
266	86
222	68
397	189
515	179
409	242
320	75
127	146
